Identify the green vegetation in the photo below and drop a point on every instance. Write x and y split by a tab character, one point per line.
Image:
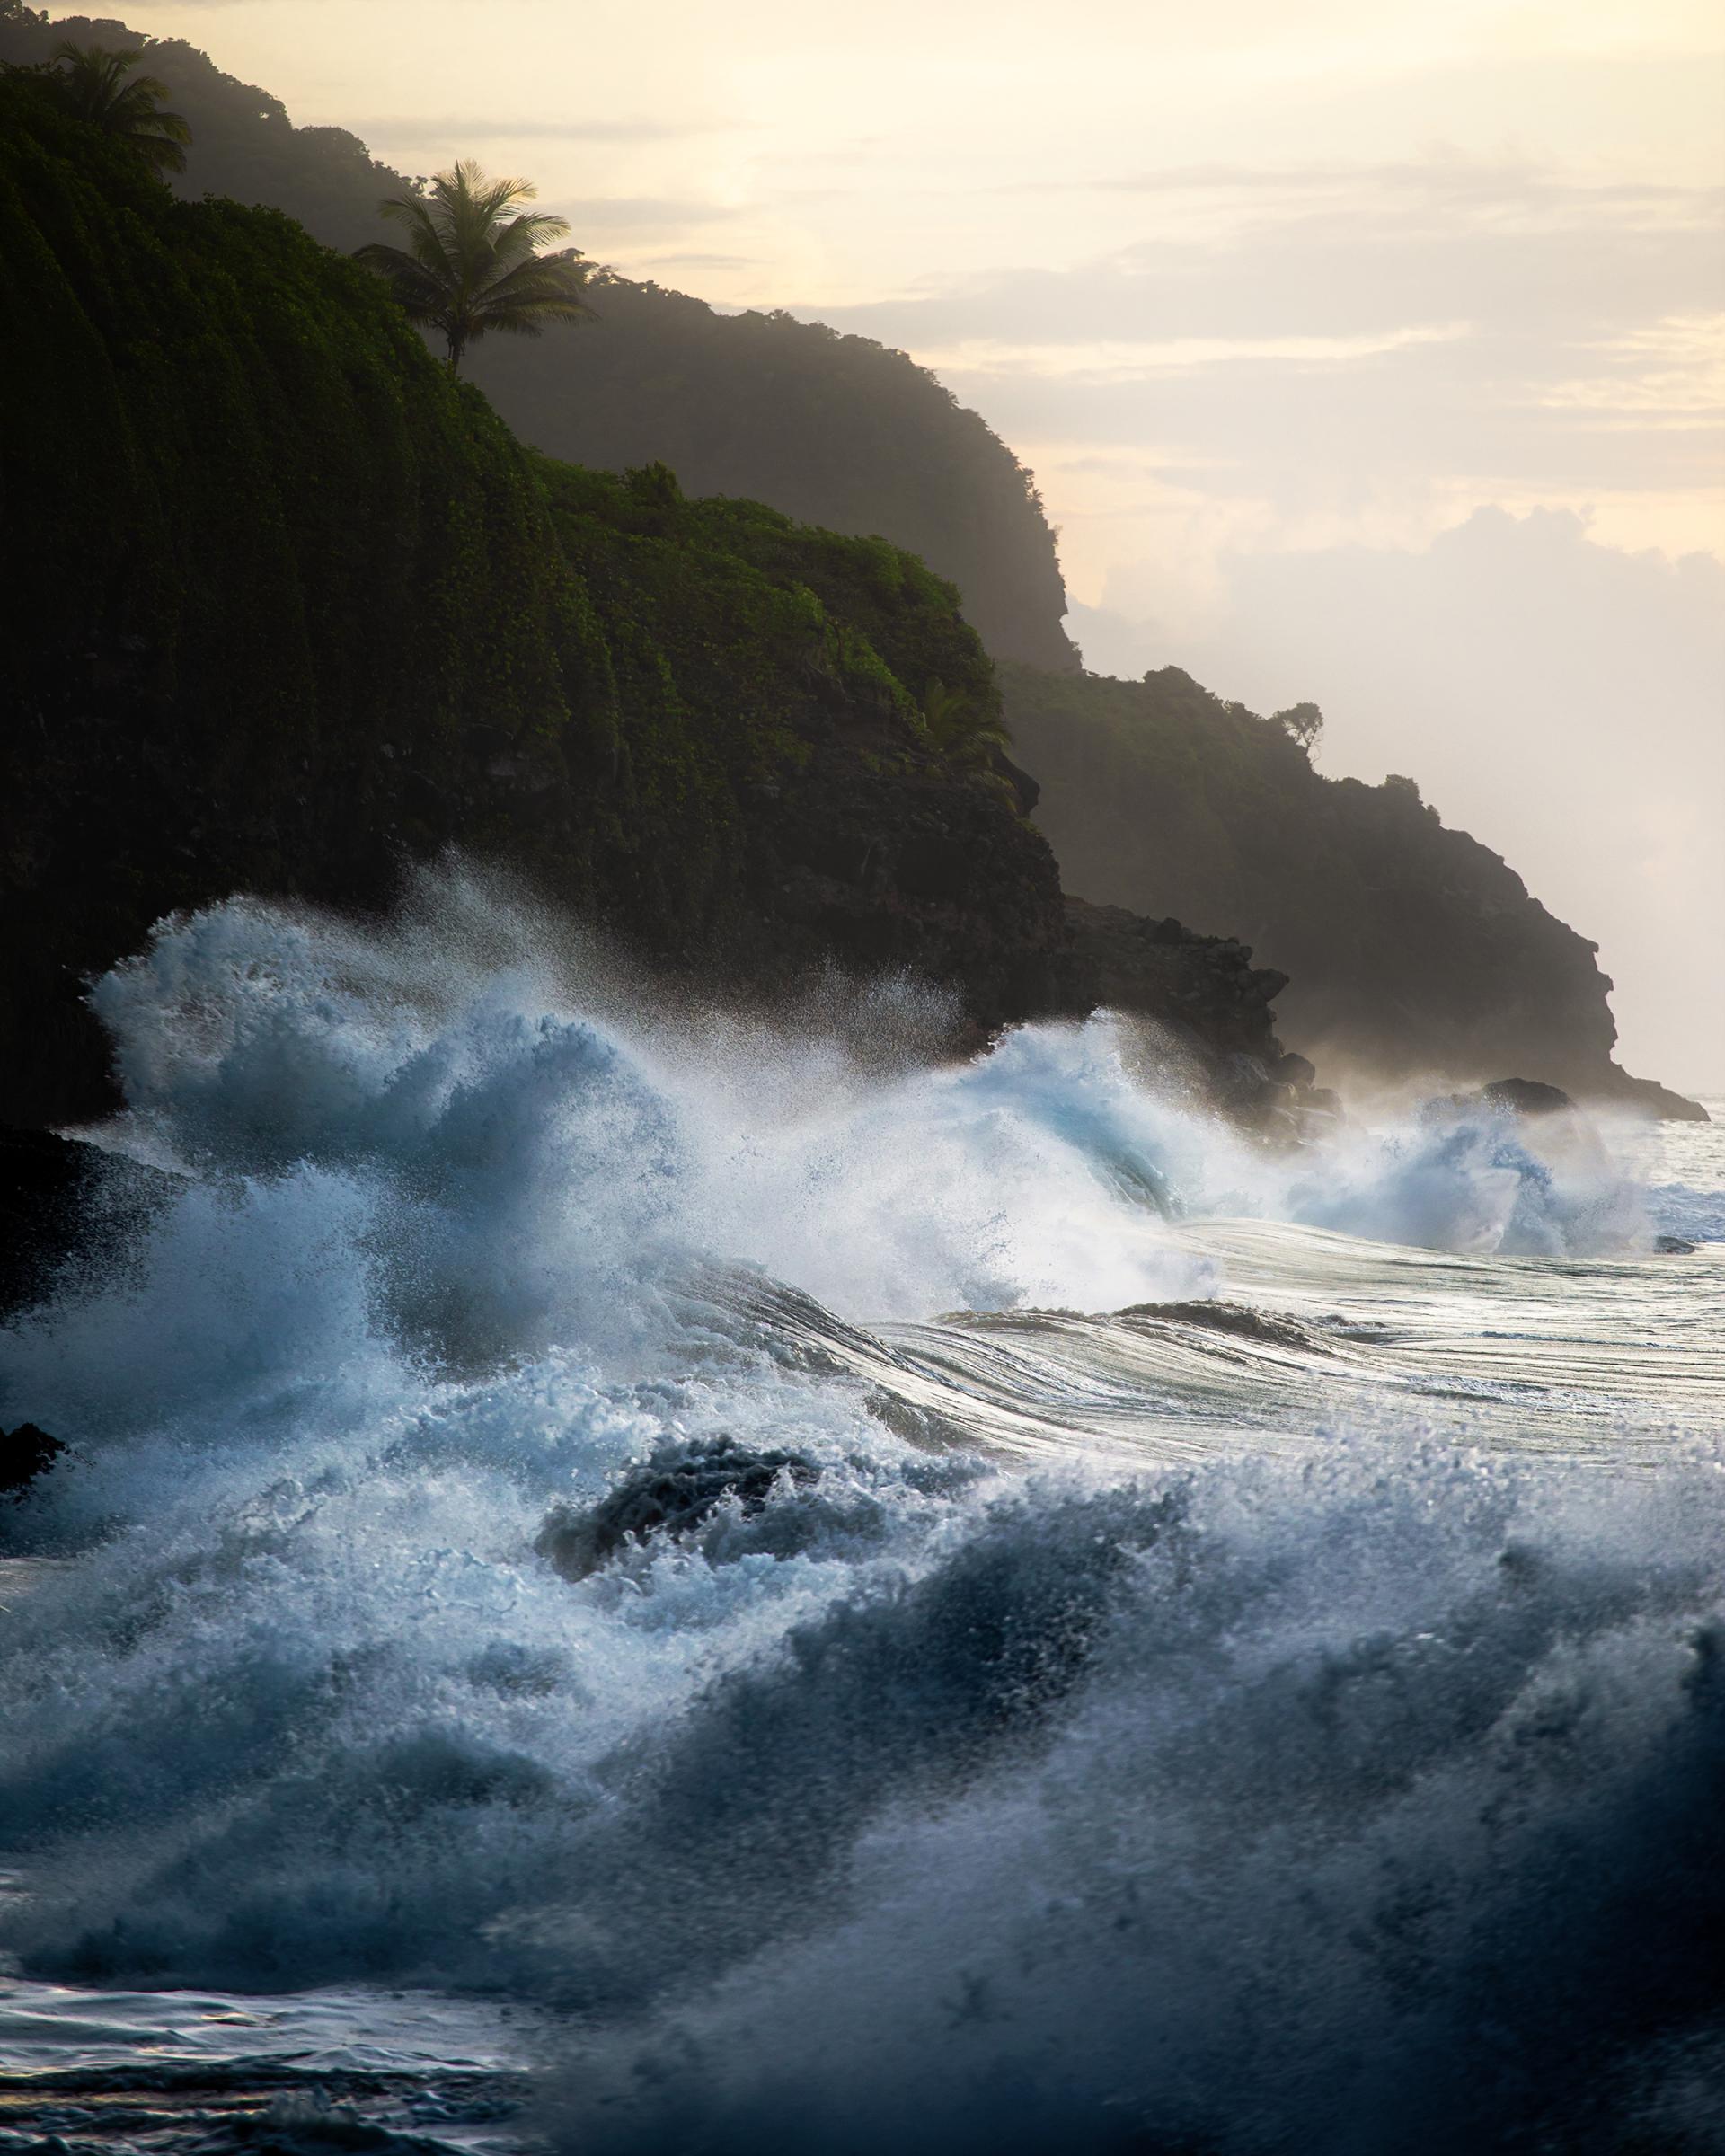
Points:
473	262
833	431
1412	949
970	735
299	607
1302	722
99	87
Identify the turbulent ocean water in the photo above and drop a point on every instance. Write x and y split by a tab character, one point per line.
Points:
628	1580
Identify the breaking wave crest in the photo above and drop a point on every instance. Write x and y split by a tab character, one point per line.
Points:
544	1520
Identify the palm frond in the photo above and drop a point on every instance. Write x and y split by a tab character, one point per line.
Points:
538	279
419	292
528	233
98	84
473	261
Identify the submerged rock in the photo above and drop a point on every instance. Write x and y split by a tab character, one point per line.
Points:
1527	1099
671	1494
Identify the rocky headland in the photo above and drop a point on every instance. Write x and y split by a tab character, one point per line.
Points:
300	611
1414	954
838	431
316	613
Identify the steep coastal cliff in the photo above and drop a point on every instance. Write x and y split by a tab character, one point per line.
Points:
834	430
298	609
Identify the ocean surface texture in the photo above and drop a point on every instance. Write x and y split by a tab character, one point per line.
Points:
627	1581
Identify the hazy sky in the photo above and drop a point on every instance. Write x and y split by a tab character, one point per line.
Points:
1271	298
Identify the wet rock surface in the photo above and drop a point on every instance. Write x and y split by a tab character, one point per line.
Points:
26	1452
670	1495
1204	991
64	1203
1523	1096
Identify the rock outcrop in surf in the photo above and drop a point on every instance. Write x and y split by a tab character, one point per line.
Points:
668	1497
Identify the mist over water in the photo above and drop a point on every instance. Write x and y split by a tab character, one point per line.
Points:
872	1604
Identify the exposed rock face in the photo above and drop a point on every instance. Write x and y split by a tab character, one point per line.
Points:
1203	991
26	1452
879	871
675	1491
1526	1097
1413	951
64	1203
45	1182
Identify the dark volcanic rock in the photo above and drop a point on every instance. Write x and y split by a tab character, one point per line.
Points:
1203	990
44	1181
681	1485
62	1200
24	1454
881	868
1525	1096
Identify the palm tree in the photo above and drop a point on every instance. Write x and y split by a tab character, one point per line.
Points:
470	266
98	85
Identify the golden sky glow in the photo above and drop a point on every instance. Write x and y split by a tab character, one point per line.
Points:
862	163
1251	288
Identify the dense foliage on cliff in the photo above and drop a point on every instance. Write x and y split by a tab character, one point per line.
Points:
833	430
1413	949
296	605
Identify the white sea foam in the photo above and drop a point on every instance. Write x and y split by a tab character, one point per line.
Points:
1219	1785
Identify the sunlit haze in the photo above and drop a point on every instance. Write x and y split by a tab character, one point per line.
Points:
1274	304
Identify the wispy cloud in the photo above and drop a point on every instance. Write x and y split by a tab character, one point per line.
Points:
1421	329
415	130
635	213
1394	249
662	258
1128	360
1514	182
